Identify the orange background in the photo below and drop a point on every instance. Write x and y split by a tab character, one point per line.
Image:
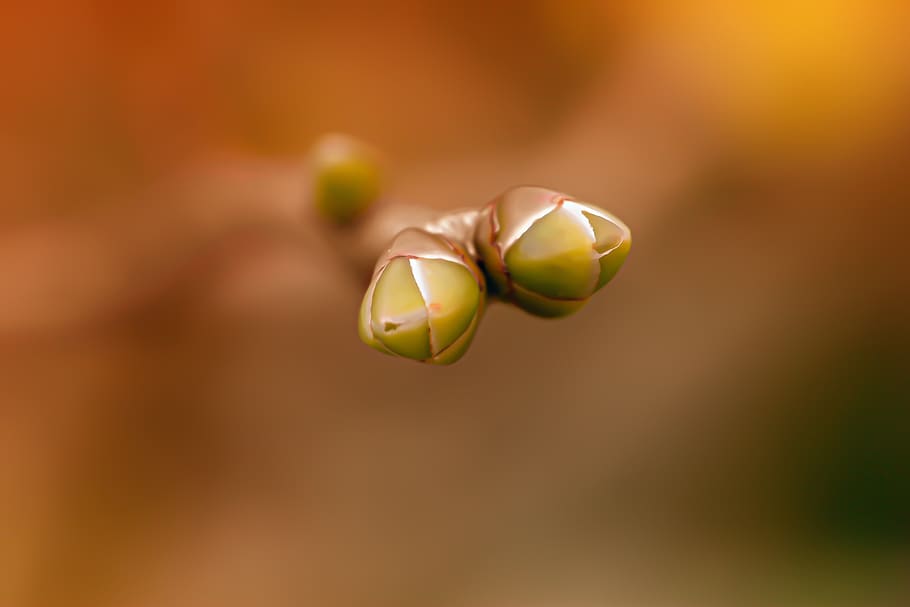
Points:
189	419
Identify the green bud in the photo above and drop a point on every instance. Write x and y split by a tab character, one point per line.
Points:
346	175
425	299
547	252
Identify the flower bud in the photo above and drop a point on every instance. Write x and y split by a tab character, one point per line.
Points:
546	252
346	177
424	301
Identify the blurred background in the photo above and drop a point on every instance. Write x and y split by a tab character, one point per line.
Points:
187	417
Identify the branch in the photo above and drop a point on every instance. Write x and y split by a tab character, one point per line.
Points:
538	249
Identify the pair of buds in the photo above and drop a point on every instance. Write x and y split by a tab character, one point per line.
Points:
536	248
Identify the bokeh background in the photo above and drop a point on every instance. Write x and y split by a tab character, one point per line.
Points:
188	419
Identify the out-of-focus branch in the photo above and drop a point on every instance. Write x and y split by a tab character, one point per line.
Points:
70	273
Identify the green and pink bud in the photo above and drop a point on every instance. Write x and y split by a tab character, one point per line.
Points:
424	301
547	252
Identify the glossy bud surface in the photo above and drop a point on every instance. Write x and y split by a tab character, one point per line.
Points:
424	301
546	252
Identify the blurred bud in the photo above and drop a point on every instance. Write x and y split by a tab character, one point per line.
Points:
424	301
347	178
548	253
